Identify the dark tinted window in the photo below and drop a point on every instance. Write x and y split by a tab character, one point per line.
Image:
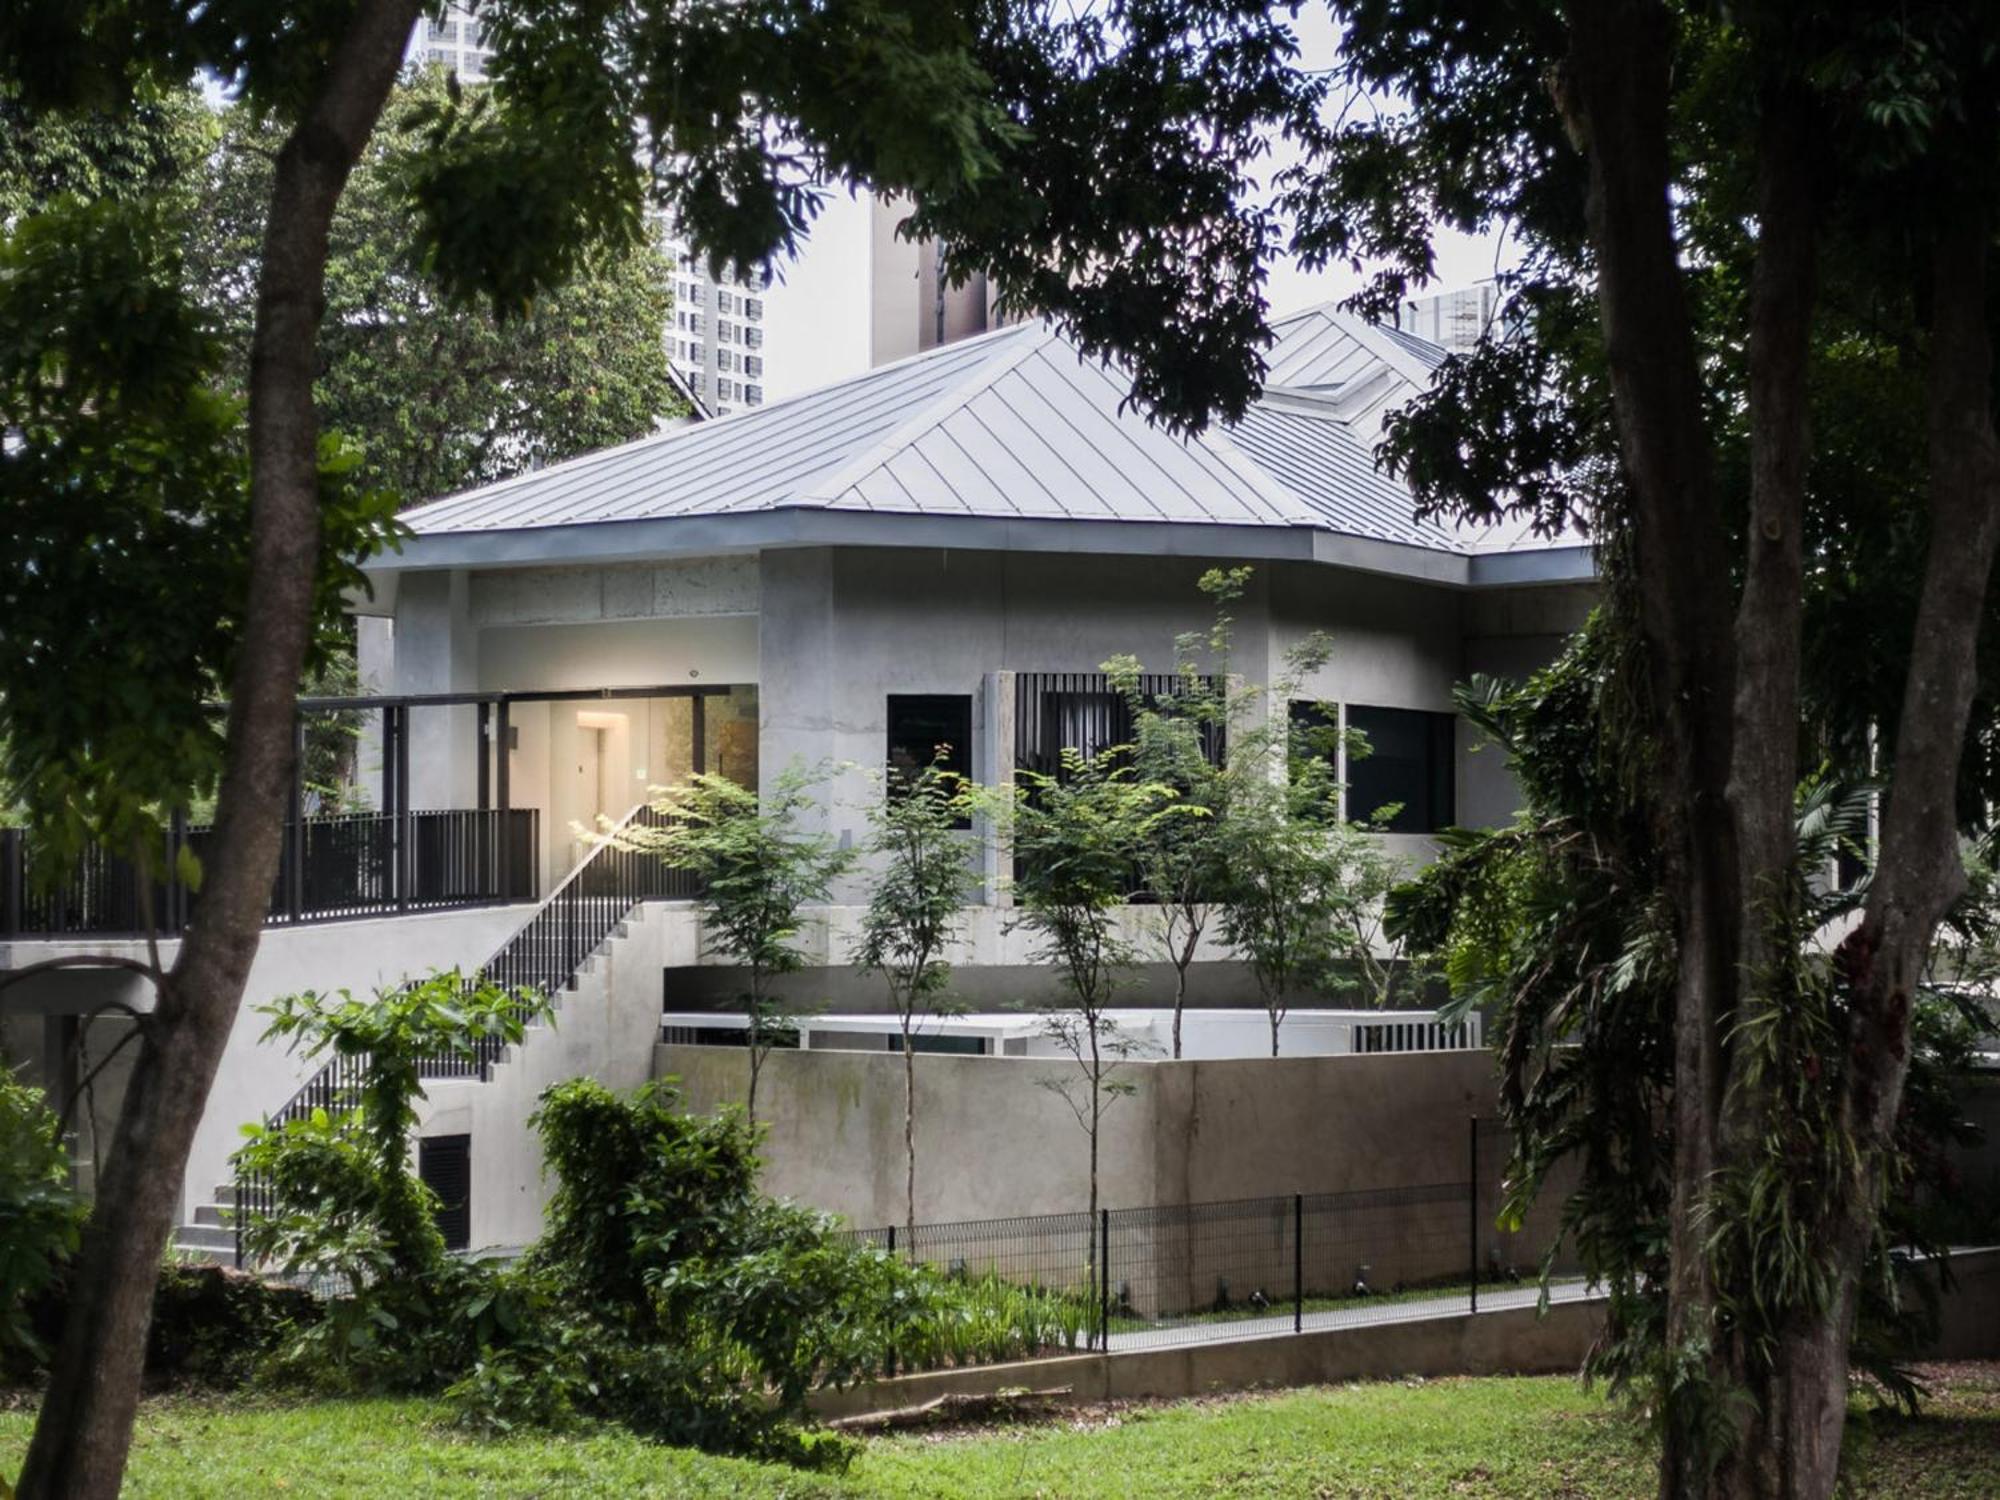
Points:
920	723
1410	761
964	1046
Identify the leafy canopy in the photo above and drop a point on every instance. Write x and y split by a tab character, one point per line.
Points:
125	489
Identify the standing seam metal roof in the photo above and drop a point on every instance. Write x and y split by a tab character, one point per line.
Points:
1011	424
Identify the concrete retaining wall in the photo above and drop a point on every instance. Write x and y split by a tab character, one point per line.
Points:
994	1141
1513	1342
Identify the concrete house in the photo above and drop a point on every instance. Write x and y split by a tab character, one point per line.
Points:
947	548
943	550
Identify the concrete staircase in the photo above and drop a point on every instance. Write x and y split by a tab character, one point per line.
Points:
210	1237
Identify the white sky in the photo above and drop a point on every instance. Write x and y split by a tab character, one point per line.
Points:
816	321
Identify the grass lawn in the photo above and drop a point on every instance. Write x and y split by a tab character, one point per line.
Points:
1539	1438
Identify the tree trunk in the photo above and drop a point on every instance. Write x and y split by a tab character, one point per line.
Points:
84	1430
1725	701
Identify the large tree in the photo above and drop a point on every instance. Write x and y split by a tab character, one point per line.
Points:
440	397
1101	158
1756	203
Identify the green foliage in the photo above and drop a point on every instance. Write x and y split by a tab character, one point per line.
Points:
676	1301
40	1216
346	1200
639	1184
1259	846
1094	164
439	397
759	870
1075	838
1558	926
922	879
146	149
1306	887
125	491
216	1327
1183	862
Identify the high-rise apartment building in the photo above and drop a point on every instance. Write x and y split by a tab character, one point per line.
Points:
458	43
911	307
716	343
1452	320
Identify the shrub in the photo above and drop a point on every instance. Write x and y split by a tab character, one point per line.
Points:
40	1216
665	1295
215	1326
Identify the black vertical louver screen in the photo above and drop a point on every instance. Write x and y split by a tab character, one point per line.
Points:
444	1163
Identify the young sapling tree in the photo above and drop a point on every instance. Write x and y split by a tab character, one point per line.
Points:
1181	743
1075	837
759	870
1306	884
922	882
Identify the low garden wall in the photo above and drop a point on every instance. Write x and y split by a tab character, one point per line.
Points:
994	1141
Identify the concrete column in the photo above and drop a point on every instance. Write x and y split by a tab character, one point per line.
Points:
437	651
375	659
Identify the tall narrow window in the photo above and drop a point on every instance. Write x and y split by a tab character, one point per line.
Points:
1410	764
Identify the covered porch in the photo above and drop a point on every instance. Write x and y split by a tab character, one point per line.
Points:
414	803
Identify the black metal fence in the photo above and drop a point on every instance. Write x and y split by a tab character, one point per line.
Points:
1146	1277
346	865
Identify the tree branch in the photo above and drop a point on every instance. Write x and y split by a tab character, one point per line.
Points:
1919	870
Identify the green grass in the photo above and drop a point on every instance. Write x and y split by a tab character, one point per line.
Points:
1445	1438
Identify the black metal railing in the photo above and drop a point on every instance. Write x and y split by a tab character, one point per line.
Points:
1138	1278
545	954
582	912
345	865
1084	711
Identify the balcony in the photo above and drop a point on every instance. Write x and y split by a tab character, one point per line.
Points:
348	865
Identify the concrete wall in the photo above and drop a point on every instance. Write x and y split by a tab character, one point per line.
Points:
605	1028
1516	1341
256	1078
993	1141
1513	1341
827	634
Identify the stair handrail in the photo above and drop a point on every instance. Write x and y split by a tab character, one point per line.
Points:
567	961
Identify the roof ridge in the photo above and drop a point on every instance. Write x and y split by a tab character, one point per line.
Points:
830	486
1372	338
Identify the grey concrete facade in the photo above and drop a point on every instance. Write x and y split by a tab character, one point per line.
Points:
994	1142
825	634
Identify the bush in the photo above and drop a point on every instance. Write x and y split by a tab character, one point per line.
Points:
40	1216
665	1295
215	1326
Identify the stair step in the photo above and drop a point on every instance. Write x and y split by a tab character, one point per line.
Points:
210	1215
205	1237
207	1255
